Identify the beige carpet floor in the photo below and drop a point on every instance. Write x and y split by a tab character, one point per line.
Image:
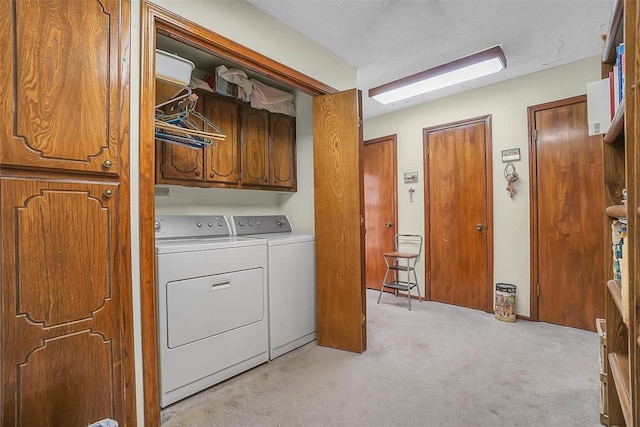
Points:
438	365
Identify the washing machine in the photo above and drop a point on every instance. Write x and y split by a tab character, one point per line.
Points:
291	280
212	303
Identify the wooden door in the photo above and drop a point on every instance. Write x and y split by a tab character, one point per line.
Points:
569	207
254	135
62	354
62	83
380	205
339	221
180	162
458	217
222	158
282	135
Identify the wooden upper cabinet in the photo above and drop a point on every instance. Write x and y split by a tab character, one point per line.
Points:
221	159
255	146
181	162
282	138
62	356
65	84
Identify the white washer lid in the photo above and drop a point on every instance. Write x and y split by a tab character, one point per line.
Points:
285	238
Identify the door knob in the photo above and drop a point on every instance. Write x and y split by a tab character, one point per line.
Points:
388	224
479	226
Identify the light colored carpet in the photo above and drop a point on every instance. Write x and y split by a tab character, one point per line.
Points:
438	365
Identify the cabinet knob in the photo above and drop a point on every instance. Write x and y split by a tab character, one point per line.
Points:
275	180
266	180
107	164
211	174
108	193
197	173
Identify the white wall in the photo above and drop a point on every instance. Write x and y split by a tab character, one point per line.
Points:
244	24
507	102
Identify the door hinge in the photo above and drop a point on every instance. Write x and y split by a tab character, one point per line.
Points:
535	134
429	274
364	318
162	168
538	289
428	150
359	122
362	220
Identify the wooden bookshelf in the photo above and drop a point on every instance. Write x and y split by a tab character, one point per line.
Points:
621	158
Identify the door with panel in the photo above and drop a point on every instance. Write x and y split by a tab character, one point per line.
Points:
568	199
222	158
67	74
380	205
282	146
458	213
339	221
62	356
254	141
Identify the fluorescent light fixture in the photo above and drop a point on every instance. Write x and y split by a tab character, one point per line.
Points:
470	67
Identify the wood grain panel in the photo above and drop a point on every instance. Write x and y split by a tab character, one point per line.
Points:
339	212
66	65
67	323
380	205
255	146
222	158
49	244
180	162
569	191
282	141
55	375
457	187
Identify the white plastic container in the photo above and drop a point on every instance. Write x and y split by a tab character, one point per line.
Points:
173	68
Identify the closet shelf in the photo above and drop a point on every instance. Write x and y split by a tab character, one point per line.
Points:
614	36
617	125
616	294
619	364
617	211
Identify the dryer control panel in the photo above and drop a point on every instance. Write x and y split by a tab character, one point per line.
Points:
260	224
190	226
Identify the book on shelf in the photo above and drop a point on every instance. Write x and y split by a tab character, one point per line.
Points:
620	63
598	106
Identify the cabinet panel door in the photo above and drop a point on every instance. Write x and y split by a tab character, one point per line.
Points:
65	88
222	157
282	133
181	162
61	310
255	146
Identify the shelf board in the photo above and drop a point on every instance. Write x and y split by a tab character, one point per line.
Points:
617	211
614	35
617	125
619	364
616	294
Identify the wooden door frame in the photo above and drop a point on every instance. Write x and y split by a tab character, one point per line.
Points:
394	140
533	196
157	19
486	120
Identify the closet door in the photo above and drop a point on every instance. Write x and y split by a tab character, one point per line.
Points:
60	95
339	221
62	354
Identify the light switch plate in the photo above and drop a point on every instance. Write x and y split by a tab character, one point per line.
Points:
162	191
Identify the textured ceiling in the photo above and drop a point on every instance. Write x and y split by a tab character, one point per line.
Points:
386	40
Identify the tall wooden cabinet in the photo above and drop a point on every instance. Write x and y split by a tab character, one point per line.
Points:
66	313
622	170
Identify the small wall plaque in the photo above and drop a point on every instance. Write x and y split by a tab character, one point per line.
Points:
410	177
510	155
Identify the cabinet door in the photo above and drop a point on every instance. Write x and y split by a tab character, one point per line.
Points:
221	159
282	134
60	299
254	134
180	162
65	68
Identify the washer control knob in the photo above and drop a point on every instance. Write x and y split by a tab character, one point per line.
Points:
241	223
219	223
198	224
210	224
250	224
280	222
258	223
